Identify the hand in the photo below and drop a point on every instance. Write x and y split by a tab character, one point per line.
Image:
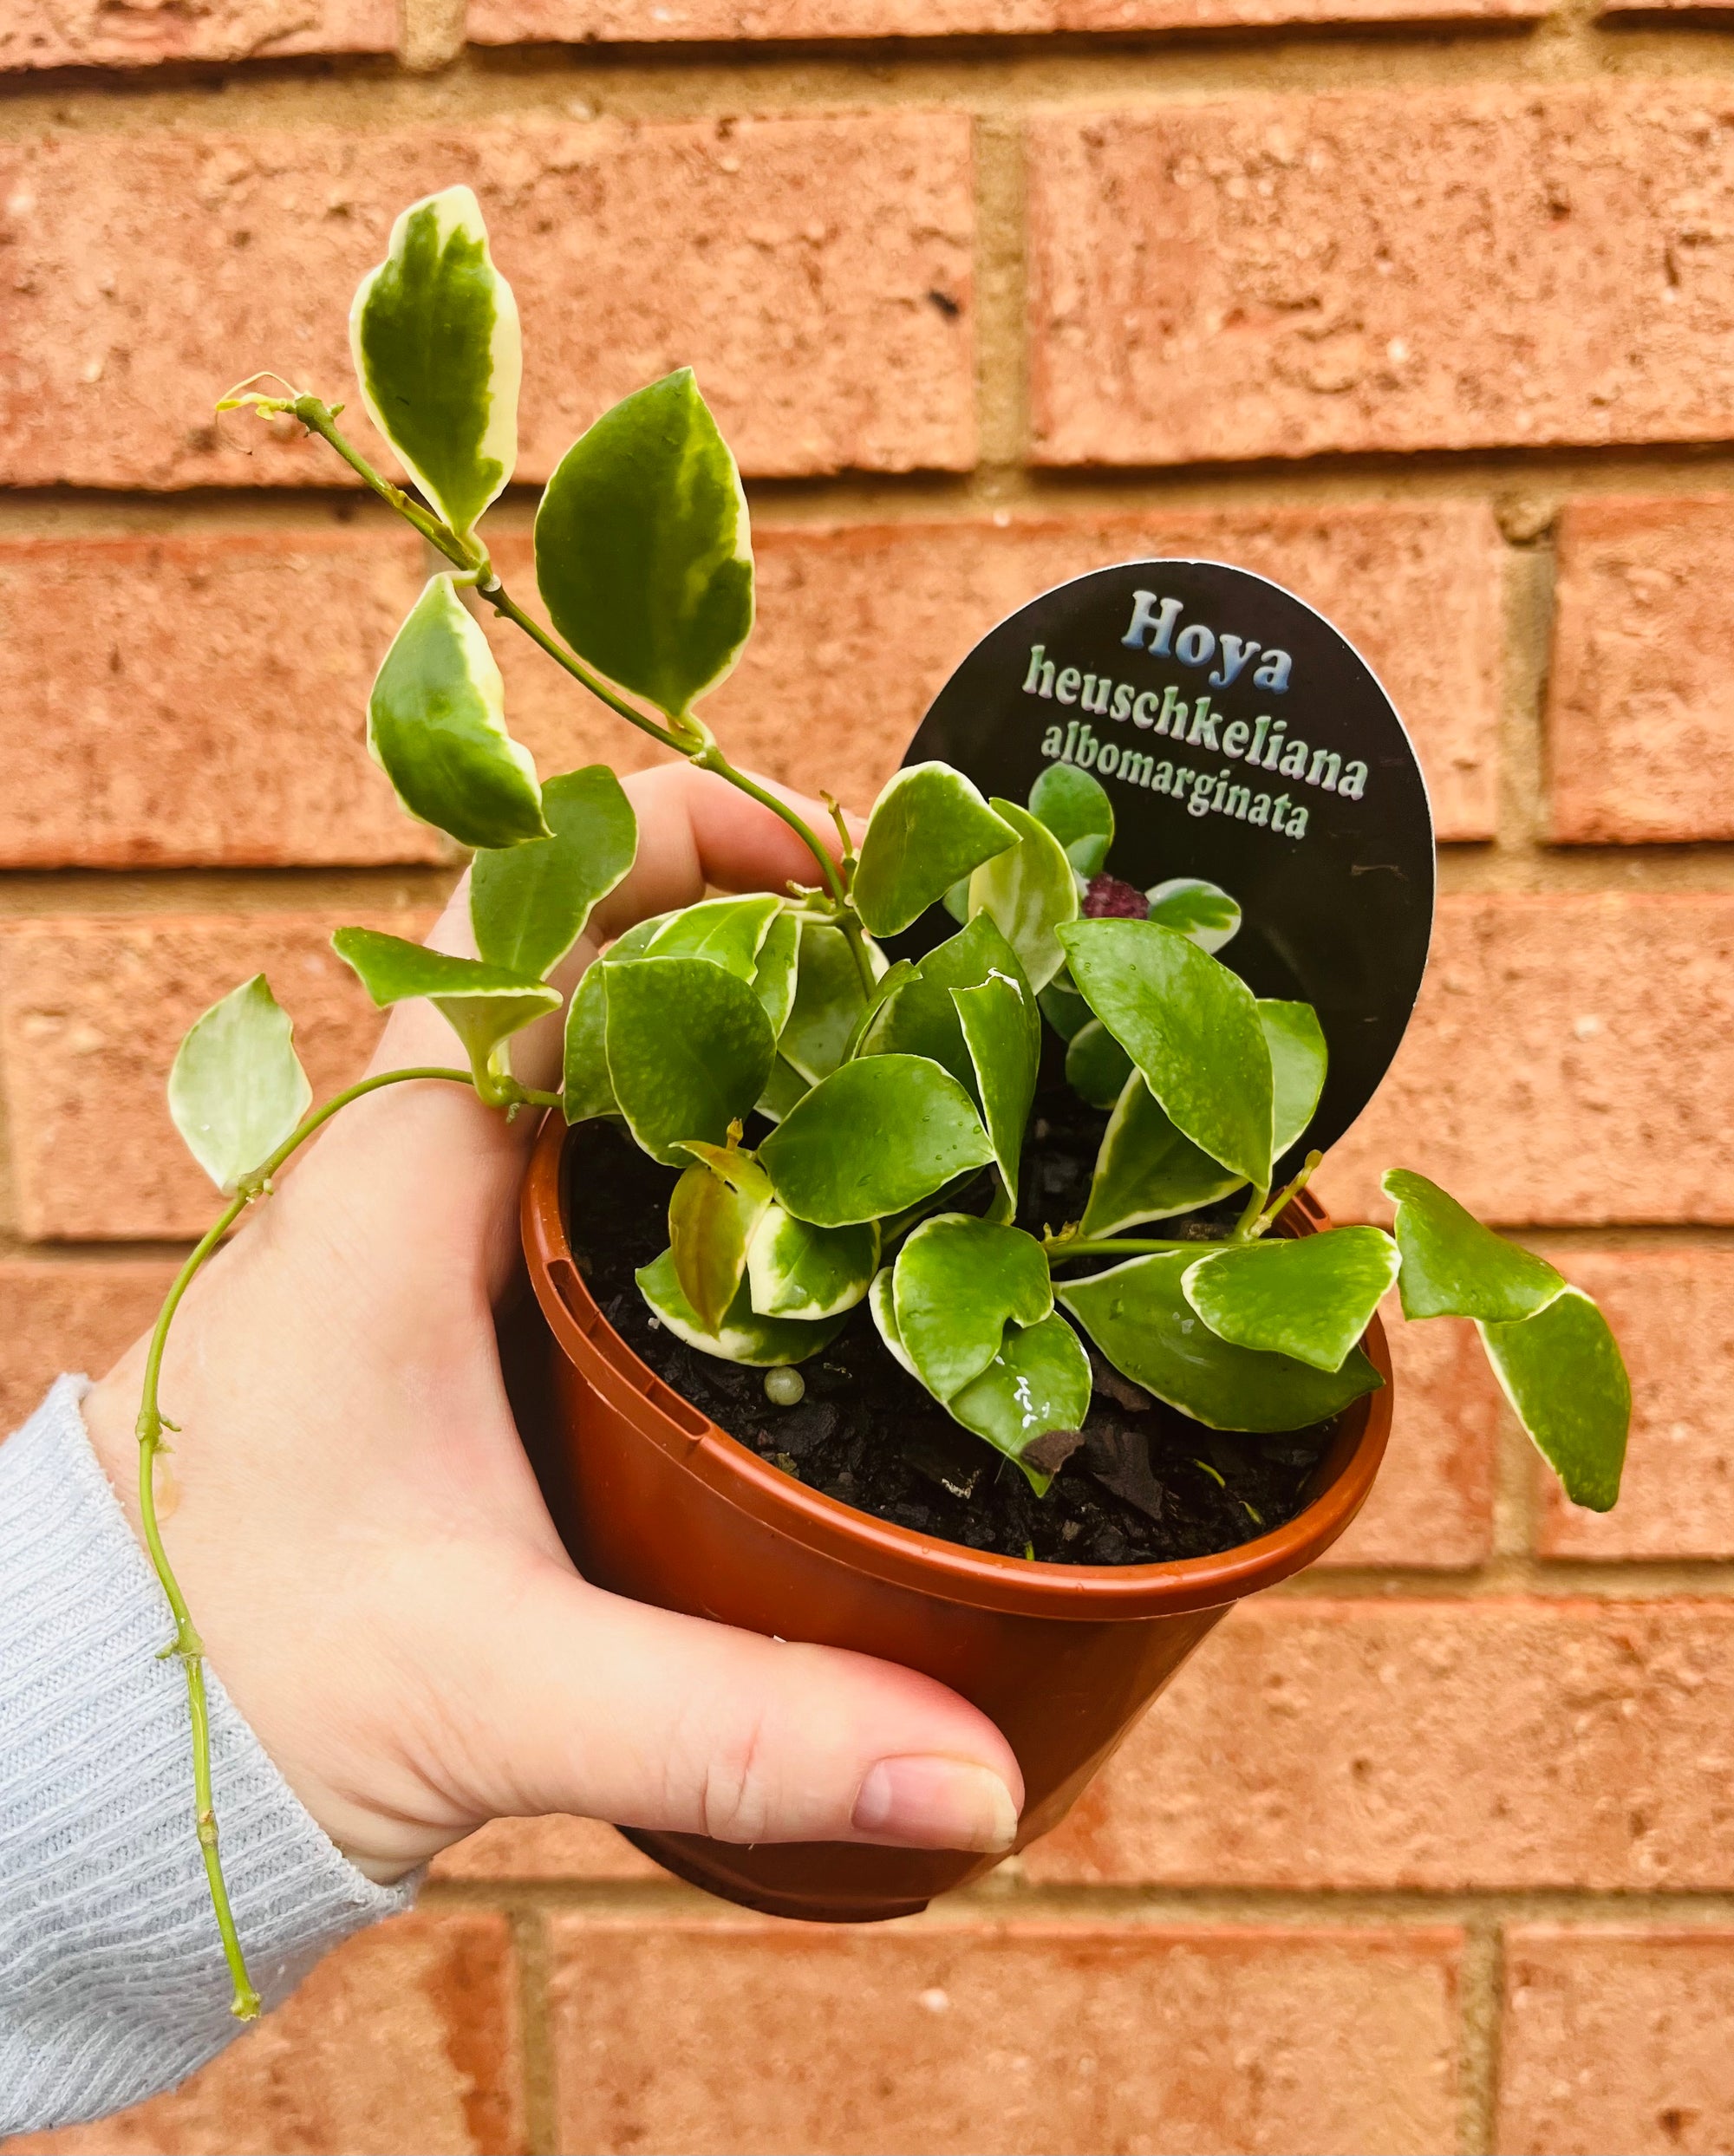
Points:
364	1545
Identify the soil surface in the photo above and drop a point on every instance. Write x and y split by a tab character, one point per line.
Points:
1147	1486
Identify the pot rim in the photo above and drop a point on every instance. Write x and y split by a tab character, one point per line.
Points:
927	1562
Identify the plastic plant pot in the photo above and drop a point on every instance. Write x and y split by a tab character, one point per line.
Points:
653	1501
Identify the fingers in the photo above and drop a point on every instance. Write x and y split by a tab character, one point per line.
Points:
595	1705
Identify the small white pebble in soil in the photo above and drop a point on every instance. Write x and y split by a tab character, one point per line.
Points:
936	2001
783	1388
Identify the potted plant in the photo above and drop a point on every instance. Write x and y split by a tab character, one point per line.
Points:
944	1301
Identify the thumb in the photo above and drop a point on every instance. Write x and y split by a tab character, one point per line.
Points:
610	1710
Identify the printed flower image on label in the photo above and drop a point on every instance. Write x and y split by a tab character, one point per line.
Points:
1244	743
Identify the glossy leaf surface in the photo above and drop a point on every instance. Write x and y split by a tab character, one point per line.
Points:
1308	1296
796	1270
743	1336
773	972
829	998
689	1049
1454	1267
1562	1371
1097	1067
1202	912
436	727
529	904
1075	807
435	335
716	1206
1064	1009
1191	1025
1138	1314
920	1018
1029	891
729	932
957	1283
587	1088
1038	1381
643	551
1002	1031
1299	1060
783	1088
882	1303
877	1134
1147	1169
928	827
235	1088
484	1005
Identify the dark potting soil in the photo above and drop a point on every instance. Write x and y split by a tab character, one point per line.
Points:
1148	1485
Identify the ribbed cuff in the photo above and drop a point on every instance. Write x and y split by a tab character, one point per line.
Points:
112	1985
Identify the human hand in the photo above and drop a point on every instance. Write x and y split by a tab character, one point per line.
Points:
361	1541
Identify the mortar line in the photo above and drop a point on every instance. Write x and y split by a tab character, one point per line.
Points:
538	2064
1480	1981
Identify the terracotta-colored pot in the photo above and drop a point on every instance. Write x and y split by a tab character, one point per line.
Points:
655	1502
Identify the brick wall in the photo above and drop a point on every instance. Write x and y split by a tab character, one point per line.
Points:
1425	305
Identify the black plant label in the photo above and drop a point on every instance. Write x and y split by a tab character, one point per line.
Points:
1242	739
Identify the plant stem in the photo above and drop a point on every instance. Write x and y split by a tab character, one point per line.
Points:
1058	1250
186	1643
1273	1212
701	750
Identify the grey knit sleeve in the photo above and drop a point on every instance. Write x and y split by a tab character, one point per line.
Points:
112	1985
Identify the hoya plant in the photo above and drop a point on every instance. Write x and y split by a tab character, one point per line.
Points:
844	1129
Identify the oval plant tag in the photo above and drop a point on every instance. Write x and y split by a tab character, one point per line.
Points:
1244	744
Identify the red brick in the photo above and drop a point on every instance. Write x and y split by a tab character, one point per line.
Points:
406	2038
1436	1745
203	699
91	1013
815	271
859	626
60	1316
732	2037
1432	1505
1545	1079
1382	269
544	1849
1640	745
1672	1312
143	32
1616	2038
721	22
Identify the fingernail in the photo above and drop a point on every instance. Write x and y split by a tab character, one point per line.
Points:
929	1803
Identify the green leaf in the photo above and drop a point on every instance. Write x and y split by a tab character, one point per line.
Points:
689	1049
484	1005
1298	1062
727	931
587	1088
636	940
1138	1316
436	727
435	336
1454	1267
1191	1025
956	1284
774	976
1202	912
928	827
1311	1296
1147	1170
829	998
529	904
905	974
796	1270
881	1305
643	551
920	1018
235	1088
715	1208
743	1336
1030	891
783	1088
877	1134
1063	1007
1002	1030
1561	1370
956	900
1097	1067
1075	807
1038	1381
